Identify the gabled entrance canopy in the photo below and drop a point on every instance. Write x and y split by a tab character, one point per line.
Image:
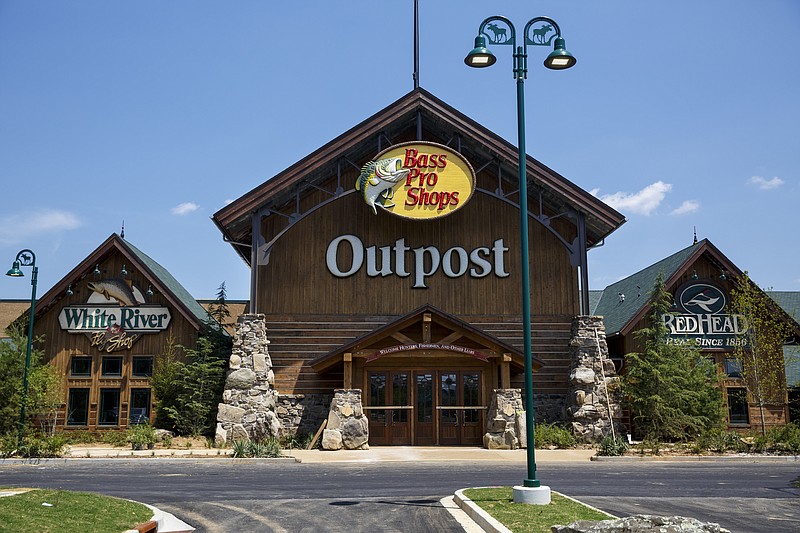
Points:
426	333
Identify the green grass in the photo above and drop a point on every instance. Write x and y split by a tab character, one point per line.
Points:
521	518
70	511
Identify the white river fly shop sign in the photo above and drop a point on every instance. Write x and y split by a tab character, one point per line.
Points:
418	180
114	317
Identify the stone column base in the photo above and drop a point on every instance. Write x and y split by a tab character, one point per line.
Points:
347	426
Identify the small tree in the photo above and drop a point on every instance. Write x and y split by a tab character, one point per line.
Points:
761	355
12	369
166	383
199	390
45	397
671	390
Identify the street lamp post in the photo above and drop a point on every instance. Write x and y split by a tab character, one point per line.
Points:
26	258
531	490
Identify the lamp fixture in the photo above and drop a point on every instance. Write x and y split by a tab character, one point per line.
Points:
480	56
14	271
123	273
70	292
621	297
723	276
560	58
149	292
694	274
97	271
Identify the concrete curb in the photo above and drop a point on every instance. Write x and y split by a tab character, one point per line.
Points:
688	458
490	524
484	520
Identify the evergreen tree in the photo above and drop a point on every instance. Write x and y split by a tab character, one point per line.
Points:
672	392
761	355
188	391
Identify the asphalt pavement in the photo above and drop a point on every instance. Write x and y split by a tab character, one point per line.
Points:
401	489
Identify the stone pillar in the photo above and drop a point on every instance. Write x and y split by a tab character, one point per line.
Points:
505	426
247	411
594	386
347	426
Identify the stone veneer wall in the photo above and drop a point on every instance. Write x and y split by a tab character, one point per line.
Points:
592	374
248	403
302	413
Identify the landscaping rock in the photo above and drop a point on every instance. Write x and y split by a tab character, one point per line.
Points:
641	524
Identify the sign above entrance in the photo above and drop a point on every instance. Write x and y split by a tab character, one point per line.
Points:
418	180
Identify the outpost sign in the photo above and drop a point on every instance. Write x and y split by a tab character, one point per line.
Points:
703	321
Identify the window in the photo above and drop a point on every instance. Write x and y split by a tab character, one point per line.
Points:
109	407
733	367
80	366
78	407
112	366
737	406
142	367
140	406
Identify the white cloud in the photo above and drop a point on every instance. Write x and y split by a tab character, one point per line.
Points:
185	208
765	184
689	206
17	228
643	202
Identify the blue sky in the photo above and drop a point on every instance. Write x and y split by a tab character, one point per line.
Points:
681	114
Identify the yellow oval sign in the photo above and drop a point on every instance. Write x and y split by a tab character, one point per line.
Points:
418	180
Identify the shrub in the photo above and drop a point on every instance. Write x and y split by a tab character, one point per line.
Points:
261	448
141	436
553	435
114	438
785	440
80	436
612	448
299	441
719	441
42	446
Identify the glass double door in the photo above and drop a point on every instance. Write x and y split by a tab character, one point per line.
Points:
425	407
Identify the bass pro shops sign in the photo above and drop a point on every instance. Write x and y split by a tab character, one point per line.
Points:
417	180
701	318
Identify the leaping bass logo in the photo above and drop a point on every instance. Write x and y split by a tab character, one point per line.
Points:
417	180
702	299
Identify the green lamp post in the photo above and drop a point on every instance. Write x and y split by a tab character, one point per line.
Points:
25	258
539	31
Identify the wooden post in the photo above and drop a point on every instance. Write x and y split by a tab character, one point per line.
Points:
505	371
348	370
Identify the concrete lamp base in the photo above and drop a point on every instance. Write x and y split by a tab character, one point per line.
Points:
532	495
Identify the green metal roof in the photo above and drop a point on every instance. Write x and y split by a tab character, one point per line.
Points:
789	302
622	300
163	275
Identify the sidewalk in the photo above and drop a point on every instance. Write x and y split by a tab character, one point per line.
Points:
373	455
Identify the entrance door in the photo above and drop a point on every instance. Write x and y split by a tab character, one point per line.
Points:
458	392
424	395
389	407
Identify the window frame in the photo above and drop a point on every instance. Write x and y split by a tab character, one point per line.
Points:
70	396
103	408
106	359
80	358
139	359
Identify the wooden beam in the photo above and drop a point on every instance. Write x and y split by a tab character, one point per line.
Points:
348	370
426	328
505	371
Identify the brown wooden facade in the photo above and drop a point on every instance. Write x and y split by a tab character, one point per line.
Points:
106	388
292	220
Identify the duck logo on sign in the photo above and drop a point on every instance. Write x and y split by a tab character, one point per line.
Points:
417	180
702	298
